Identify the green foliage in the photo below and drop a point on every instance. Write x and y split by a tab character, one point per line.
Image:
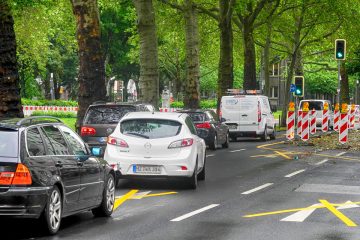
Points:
70	122
60	103
204	104
323	82
54	114
177	104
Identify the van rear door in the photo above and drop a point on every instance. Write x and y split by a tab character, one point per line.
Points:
242	110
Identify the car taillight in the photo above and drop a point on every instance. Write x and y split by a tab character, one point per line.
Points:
86	131
182	143
117	142
259	113
203	125
21	176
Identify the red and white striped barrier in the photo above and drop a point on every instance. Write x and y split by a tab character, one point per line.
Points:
344	124
168	109
28	110
290	123
325	120
352	118
299	118
313	121
336	120
305	126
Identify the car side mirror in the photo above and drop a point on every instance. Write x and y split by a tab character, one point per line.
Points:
222	120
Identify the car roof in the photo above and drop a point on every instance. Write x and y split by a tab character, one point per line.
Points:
155	115
194	110
118	104
16	123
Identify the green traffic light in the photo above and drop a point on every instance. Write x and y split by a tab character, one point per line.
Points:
298	91
339	55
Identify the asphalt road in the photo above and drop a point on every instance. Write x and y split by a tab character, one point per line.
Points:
305	198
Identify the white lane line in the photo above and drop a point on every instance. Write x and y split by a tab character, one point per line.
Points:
301	215
294	173
323	161
257	188
210	155
190	214
239	150
340	154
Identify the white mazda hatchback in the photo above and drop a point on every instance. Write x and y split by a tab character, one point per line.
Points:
160	145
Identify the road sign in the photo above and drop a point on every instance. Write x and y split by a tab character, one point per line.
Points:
292	88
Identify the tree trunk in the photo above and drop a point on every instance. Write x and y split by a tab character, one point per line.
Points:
266	59
192	82
149	70
249	57
10	101
344	90
92	72
226	66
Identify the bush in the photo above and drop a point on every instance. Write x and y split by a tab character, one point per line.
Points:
54	114
204	104
61	103
177	104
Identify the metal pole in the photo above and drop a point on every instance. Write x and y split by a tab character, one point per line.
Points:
339	83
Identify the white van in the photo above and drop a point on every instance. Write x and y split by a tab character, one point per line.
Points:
248	116
318	105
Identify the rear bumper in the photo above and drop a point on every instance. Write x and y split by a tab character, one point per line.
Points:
245	133
23	202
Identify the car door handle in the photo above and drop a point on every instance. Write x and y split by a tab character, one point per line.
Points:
244	115
58	164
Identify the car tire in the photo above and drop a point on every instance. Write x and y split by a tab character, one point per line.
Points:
107	204
53	211
273	135
226	143
264	136
192	182
201	175
214	143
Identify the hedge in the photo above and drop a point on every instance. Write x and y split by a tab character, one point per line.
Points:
54	114
62	103
204	104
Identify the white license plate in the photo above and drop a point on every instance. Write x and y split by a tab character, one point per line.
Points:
147	169
232	126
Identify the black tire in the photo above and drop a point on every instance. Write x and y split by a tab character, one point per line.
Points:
273	135
107	204
213	144
201	175
226	143
53	211
192	181
264	136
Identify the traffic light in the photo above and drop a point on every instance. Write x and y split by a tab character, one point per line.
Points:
299	86
340	49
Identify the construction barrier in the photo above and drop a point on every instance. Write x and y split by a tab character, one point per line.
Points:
168	109
352	116
325	118
299	117
313	121
336	117
305	122
28	110
344	124
290	122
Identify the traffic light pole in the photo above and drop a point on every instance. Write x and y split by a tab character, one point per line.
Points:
339	82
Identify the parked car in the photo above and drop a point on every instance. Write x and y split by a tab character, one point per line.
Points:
248	116
160	145
47	171
101	119
209	127
318	105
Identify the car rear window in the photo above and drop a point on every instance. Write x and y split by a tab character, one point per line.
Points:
198	116
313	105
150	128
107	114
9	143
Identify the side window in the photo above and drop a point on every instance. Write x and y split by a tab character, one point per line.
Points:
56	140
190	125
76	144
34	142
265	103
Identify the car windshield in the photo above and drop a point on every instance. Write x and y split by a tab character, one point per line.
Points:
313	105
150	128
8	143
107	114
197	116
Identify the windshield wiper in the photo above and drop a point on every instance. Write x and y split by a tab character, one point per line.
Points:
137	134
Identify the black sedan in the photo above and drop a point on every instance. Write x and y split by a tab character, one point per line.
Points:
210	127
48	172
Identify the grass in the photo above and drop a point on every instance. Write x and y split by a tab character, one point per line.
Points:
70	122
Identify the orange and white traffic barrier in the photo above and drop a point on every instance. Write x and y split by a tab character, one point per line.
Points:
336	117
352	116
305	122
299	118
325	118
28	110
344	124
313	121
168	109
290	122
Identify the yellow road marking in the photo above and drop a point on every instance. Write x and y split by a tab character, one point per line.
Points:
269	144
283	155
159	194
330	156
121	200
337	213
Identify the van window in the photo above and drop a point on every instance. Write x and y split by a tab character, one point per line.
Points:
107	114
313	105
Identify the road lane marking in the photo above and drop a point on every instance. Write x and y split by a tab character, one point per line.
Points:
337	157
337	213
141	195
185	216
239	150
295	173
159	194
301	216
340	154
351	205
257	188
121	200
323	161
283	154
210	155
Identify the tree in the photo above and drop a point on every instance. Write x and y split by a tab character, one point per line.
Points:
92	70
149	72
10	104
